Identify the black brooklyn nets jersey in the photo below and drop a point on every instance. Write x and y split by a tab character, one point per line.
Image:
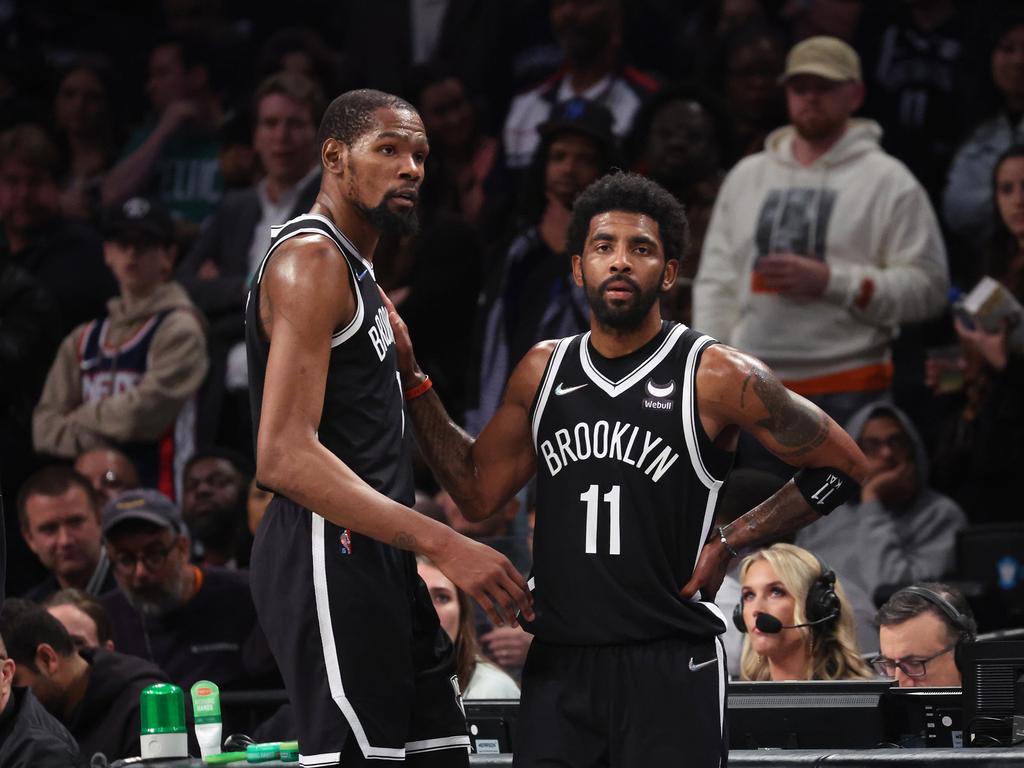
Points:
627	487
363	420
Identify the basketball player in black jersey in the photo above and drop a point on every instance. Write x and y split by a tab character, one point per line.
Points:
630	429
368	669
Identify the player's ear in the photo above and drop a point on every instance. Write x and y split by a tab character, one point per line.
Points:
334	156
577	269
668	277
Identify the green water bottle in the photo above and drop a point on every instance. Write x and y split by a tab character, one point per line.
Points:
162	712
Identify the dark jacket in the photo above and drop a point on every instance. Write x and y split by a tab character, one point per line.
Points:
107	718
30	737
214	636
225	241
49	585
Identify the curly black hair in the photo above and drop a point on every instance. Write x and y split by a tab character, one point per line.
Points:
351	115
631	192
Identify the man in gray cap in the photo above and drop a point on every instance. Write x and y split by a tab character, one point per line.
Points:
820	246
194	623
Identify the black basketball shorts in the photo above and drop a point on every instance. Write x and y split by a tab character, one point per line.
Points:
653	705
367	667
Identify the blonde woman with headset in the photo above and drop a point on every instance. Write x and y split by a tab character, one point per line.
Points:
798	623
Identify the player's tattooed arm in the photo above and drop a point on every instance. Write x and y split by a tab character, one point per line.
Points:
796	426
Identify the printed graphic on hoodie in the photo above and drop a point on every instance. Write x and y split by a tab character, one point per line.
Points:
793	220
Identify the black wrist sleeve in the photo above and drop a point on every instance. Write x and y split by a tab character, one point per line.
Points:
825	488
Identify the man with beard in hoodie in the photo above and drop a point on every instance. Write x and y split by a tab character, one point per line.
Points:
93	692
900	531
128	380
820	246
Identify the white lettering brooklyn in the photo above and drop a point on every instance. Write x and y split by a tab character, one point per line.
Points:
602	440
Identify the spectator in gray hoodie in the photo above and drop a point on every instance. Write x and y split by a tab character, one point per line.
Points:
902	530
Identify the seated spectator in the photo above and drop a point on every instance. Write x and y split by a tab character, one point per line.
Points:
59	514
302	51
128	379
978	439
462	159
30	737
901	530
84	123
213	505
93	692
109	471
217	269
175	156
194	623
793	586
64	256
967	204
82	616
531	295
590	36
478	679
919	630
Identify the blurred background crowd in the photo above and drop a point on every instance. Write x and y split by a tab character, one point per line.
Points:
147	148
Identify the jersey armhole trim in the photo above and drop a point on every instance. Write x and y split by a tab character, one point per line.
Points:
546	382
690	416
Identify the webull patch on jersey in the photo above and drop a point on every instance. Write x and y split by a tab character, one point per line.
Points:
658	397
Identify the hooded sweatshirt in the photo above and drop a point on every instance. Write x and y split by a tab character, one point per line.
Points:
874	545
107	718
145	413
857	209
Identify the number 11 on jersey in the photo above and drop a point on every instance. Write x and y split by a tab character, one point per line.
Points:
591	496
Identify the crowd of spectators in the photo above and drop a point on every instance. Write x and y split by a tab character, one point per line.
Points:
848	169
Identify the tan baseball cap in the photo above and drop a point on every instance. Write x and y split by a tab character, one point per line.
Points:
827	57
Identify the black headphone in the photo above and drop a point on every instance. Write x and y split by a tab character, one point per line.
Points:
959	620
822	602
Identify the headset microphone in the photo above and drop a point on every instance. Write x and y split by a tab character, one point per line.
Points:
771	625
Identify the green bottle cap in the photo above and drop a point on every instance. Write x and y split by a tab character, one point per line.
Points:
290	745
206	702
290	755
162	709
226	757
262	753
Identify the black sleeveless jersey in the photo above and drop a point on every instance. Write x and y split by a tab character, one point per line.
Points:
363	421
627	484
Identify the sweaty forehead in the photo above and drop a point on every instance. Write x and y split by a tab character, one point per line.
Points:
398	120
624	224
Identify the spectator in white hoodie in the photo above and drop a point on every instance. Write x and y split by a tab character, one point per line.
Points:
820	246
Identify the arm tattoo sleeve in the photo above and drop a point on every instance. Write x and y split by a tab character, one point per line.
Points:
445	446
793	425
778	516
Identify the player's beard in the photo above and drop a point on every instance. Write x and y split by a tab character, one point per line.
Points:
628	316
388	222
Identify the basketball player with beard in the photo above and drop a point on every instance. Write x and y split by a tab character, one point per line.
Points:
630	429
368	669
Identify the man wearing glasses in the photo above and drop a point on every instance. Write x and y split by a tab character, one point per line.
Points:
901	530
193	622
919	630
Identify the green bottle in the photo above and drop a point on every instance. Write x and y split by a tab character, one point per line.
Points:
162	712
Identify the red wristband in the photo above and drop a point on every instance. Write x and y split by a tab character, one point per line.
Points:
420	389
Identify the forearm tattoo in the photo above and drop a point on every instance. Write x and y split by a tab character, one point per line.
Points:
404	540
777	517
792	424
444	444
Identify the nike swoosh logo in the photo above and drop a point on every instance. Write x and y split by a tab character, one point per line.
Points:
708	663
360	276
561	389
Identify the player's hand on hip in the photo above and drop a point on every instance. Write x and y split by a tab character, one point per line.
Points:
712	563
507	646
407	365
488	577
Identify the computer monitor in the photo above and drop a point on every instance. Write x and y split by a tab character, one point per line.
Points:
993	555
814	714
925	717
993	684
492	724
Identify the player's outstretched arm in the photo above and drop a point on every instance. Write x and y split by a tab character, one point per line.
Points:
481	475
307	294
738	392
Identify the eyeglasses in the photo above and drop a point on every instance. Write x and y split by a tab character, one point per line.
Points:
909	667
152	559
897	443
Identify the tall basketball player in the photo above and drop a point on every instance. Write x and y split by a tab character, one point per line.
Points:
630	429
367	667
